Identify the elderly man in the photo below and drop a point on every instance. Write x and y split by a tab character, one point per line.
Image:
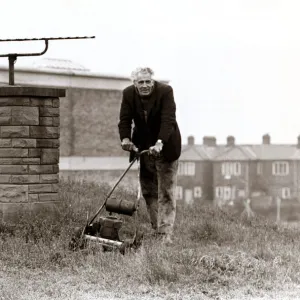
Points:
151	106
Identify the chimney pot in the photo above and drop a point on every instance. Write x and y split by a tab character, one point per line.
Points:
191	140
230	141
209	141
266	139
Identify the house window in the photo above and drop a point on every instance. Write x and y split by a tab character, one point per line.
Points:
280	168
223	192
286	193
259	168
178	193
186	168
231	168
219	192
197	192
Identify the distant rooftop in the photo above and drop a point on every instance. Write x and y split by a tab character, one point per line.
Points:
211	150
59	64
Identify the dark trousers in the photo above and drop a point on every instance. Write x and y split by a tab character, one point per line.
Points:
158	181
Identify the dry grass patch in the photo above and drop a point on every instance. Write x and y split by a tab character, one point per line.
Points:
215	252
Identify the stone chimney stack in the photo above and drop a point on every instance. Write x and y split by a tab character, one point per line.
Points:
266	139
191	140
210	141
230	141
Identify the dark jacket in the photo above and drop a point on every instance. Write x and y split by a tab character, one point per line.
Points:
161	120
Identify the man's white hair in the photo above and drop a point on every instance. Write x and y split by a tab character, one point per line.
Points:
139	70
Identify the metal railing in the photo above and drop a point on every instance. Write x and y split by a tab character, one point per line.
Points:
12	57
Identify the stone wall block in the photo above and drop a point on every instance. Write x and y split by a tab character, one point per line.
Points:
55	102
50	156
49	178
55	187
56	121
25	178
41	169
49	112
31	161
14	131
5	115
5	120
34	153
56	169
33	197
13	169
14	101
23	143
8	152
5	143
49	197
44	132
40	188
19	161
46	121
47	143
25	115
13	193
40	102
5	178
5	111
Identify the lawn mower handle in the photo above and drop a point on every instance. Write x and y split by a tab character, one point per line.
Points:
136	156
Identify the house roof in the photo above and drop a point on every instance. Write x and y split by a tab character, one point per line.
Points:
276	152
211	151
58	64
241	152
236	153
62	67
194	154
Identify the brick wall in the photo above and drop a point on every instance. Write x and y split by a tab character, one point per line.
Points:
89	119
202	178
240	182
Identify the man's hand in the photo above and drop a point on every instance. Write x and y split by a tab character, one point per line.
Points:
156	149
127	145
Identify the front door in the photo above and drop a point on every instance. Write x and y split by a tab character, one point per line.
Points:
227	193
188	197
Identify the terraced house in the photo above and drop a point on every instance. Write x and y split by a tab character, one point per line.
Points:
232	171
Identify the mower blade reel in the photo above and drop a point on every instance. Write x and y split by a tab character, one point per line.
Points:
103	241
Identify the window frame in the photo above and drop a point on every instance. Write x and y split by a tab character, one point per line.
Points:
278	166
186	168
259	168
231	168
196	195
283	193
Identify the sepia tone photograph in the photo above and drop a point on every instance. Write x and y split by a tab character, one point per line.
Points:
149	150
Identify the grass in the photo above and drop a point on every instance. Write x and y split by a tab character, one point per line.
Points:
216	255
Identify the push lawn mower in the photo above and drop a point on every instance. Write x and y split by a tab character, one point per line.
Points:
105	231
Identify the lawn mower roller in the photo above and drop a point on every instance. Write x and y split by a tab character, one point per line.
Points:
105	231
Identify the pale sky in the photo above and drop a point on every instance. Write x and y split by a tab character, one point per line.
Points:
234	65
